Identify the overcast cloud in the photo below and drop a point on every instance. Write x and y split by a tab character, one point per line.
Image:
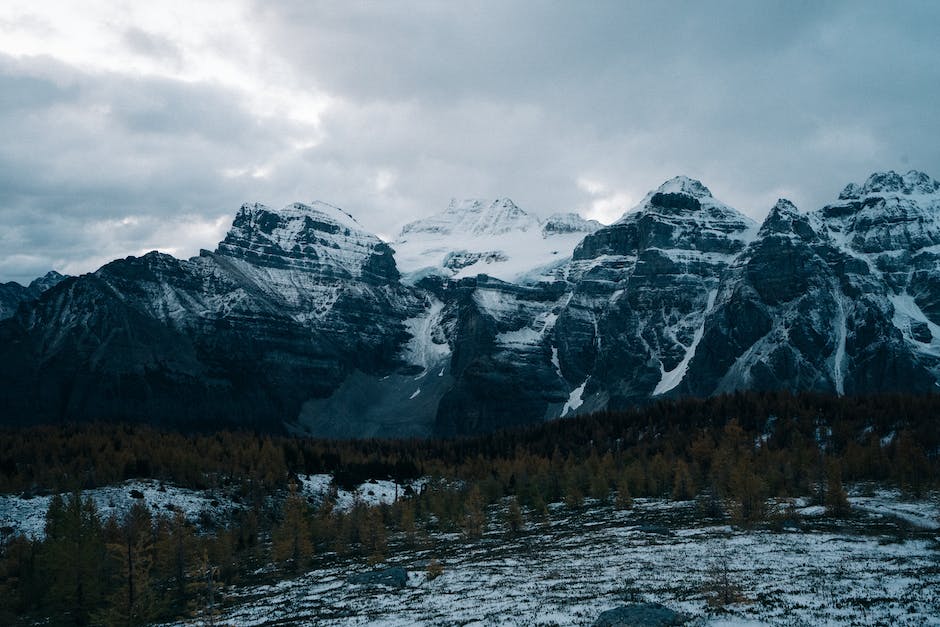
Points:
131	126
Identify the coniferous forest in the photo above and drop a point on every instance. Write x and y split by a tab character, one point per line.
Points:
734	454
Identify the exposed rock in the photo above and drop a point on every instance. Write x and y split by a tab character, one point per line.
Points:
658	530
394	577
290	304
640	615
12	293
302	320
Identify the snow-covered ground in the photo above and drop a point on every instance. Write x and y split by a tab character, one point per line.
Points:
873	568
373	492
27	515
19	514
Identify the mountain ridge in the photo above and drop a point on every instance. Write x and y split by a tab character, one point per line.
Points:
303	320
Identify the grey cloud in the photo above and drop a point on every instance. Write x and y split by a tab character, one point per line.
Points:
742	94
82	152
490	98
152	45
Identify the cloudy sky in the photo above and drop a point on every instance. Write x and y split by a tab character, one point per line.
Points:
132	126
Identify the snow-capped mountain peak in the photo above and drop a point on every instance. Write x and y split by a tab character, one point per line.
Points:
685	203
684	185
785	218
891	183
475	217
317	237
493	237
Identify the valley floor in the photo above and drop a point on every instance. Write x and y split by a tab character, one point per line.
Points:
879	566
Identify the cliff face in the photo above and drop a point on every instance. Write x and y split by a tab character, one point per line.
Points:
290	303
483	316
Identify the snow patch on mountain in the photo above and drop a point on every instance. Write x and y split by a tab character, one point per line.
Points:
428	344
907	313
674	377
838	360
575	399
530	335
317	237
370	493
495	238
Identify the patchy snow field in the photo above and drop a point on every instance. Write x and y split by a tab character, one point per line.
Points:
19	514
374	492
27	515
881	566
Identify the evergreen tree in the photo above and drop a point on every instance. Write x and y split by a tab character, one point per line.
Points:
130	551
372	535
74	553
514	522
21	581
624	499
474	514
291	539
837	501
175	556
682	487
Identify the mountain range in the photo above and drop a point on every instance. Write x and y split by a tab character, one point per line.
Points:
485	316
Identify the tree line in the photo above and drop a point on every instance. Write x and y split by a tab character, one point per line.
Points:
731	453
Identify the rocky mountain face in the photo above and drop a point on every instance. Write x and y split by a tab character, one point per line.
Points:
483	316
12	293
289	304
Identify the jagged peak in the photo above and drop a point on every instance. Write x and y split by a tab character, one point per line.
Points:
684	185
784	218
686	199
47	280
680	193
462	205
318	210
784	207
569	222
314	237
475	216
911	183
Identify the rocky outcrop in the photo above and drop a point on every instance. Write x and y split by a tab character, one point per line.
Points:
485	317
502	361
641	290
12	293
394	577
290	303
640	615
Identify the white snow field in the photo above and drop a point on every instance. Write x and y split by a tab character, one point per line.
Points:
19	514
881	566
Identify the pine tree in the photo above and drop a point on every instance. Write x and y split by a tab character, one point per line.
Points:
474	514
514	522
74	553
539	508
682	487
837	501
600	489
749	493
175	558
373	536
291	539
130	551
624	499
406	520
21	582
